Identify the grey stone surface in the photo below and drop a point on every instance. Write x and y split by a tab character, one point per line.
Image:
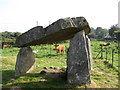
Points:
77	60
89	48
27	38
43	72
25	61
63	29
56	68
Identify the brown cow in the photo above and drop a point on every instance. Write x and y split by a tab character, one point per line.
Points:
105	44
6	46
60	49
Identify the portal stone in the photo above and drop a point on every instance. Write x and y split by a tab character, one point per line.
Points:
25	60
77	60
89	52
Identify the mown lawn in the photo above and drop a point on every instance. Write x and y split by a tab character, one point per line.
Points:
103	75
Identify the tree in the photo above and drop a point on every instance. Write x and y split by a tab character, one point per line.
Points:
16	34
103	33
117	34
112	31
98	30
98	33
9	37
92	33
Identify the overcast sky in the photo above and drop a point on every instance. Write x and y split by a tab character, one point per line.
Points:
22	15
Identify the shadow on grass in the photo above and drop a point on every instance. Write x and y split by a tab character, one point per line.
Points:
7	75
42	56
110	66
48	55
35	80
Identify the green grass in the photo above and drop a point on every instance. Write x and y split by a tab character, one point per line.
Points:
39	81
103	75
96	48
13	51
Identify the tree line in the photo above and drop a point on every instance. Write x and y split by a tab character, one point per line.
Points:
104	34
8	37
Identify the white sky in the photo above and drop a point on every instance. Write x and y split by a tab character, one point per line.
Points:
22	15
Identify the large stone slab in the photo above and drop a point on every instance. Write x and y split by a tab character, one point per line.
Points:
25	61
63	29
77	60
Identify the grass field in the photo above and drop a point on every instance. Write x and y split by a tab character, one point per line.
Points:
103	75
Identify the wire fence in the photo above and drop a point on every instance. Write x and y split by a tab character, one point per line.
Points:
108	53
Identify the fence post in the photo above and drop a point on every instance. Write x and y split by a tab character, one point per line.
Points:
106	52
101	52
50	49
113	56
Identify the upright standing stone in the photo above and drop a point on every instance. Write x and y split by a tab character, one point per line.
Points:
25	60
77	60
89	52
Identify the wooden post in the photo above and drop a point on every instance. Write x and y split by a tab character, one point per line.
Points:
113	56
50	49
101	52
106	52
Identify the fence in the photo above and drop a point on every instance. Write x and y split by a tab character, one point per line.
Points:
109	53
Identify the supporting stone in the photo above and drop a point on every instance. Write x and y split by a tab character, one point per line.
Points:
89	48
25	60
77	60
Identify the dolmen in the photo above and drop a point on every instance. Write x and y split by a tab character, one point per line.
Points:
79	55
